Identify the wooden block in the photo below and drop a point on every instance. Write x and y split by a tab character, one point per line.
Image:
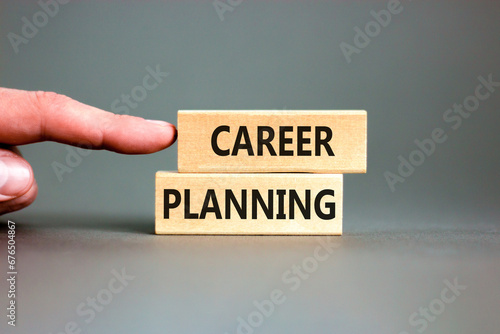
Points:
227	141
309	204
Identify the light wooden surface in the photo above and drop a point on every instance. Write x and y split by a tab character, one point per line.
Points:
300	141
325	194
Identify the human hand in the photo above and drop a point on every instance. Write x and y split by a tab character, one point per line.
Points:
30	117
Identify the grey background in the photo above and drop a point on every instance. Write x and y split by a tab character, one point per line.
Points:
398	247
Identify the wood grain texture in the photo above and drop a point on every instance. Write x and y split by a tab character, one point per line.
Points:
196	152
210	195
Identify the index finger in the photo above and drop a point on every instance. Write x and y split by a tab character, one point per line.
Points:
29	117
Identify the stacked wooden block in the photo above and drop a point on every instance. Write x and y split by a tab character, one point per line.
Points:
260	172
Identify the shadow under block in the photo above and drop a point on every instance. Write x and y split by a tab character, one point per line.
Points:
283	204
260	141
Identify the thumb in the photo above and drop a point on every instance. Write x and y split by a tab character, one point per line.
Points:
17	184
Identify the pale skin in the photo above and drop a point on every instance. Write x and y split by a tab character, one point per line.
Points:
30	117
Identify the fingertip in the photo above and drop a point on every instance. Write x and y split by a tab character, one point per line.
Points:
172	134
20	202
134	135
166	136
16	177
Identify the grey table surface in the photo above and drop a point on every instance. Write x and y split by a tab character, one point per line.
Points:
378	277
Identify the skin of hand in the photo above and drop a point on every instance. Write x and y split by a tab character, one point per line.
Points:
31	117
